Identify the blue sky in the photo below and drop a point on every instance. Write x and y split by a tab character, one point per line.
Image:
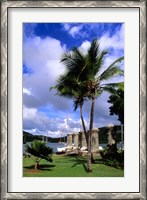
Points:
43	45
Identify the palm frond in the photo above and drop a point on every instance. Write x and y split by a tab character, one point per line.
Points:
68	61
114	85
117	61
77	102
82	81
93	51
74	62
95	59
78	56
53	87
39	150
111	87
100	61
112	70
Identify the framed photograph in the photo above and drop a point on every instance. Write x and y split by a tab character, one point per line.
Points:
42	43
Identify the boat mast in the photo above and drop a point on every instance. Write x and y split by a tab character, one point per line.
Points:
65	124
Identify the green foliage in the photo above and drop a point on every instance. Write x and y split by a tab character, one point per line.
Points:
117	101
111	157
27	137
112	70
103	134
38	150
83	79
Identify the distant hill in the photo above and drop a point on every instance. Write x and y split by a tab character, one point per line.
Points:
28	137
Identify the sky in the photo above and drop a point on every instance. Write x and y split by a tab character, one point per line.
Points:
45	113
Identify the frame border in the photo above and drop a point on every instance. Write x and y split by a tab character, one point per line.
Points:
5	5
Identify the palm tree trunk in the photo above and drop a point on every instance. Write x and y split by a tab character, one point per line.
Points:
84	129
89	165
37	166
83	123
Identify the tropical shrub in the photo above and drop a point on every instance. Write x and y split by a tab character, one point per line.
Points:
112	158
38	150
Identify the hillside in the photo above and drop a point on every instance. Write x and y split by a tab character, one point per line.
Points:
28	137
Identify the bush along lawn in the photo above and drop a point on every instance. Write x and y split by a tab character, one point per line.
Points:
112	157
71	166
38	150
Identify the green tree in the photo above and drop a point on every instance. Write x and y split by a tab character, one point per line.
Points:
68	85
86	71
117	101
38	150
96	82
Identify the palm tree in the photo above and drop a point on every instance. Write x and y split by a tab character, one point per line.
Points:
84	73
95	82
68	86
38	150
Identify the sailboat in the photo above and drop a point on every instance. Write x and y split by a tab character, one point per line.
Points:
63	130
60	140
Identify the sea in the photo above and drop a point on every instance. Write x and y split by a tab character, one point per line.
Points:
54	146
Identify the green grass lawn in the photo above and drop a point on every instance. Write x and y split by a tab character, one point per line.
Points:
69	166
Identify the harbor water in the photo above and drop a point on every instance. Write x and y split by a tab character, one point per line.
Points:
54	146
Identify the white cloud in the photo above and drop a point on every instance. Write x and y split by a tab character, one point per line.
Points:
37	122
107	62
116	41
38	51
43	56
101	114
66	26
109	58
26	91
85	46
29	113
76	129
73	30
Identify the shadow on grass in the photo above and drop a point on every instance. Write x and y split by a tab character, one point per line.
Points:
42	167
80	161
83	161
99	161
